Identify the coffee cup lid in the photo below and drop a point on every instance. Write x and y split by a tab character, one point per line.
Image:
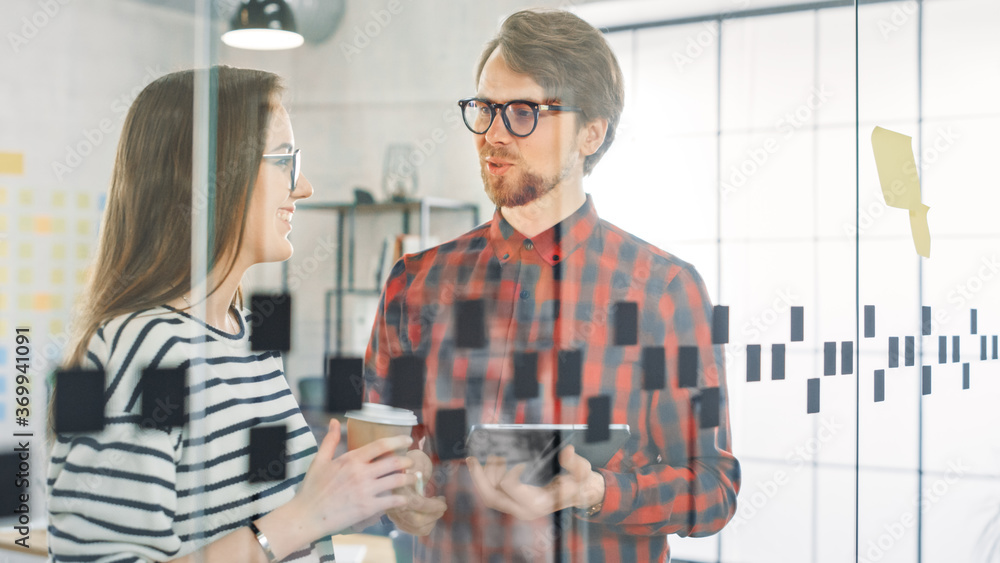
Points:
384	414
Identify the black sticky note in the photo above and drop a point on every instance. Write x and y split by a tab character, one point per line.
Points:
525	375
925	383
974	321
909	351
626	317
267	453
942	349
777	361
598	419
568	380
345	384
798	324
470	324
654	368
79	404
812	398
956	353
983	347
965	376
10	502
846	357
708	411
829	358
451	431
925	321
406	382
995	347
163	395
753	362
687	366
720	324
894	351
271	322
879	385
869	321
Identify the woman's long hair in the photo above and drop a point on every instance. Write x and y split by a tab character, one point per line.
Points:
144	252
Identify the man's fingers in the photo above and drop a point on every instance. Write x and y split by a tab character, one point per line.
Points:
479	479
495	468
577	466
426	505
421	461
511	483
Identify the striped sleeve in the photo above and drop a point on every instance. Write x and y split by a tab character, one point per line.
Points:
112	493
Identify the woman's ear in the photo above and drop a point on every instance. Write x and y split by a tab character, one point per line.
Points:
593	133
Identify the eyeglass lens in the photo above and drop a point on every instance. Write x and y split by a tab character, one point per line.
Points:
519	117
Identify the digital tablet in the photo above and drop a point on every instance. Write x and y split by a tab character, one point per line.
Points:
538	445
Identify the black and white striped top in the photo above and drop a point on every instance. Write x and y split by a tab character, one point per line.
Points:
131	493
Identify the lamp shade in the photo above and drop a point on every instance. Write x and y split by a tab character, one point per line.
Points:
263	25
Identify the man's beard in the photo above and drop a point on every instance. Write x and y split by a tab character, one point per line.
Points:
515	190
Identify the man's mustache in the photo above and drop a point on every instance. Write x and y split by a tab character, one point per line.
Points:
498	153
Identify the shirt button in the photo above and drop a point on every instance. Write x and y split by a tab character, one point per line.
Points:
555	257
525	294
506	256
528	245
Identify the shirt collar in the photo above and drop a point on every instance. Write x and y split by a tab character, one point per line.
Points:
552	245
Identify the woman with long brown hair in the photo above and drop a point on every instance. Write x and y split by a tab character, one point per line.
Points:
140	492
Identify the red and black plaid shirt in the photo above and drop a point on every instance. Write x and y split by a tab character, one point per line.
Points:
556	291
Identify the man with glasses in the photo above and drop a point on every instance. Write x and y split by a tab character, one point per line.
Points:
559	289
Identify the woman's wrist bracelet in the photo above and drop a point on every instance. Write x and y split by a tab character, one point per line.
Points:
264	544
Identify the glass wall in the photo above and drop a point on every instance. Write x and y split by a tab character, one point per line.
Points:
746	149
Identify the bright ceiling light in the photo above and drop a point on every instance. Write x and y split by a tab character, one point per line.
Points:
263	25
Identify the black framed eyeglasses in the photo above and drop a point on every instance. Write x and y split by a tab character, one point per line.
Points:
520	116
293	158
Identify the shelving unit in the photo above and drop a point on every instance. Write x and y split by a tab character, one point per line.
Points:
347	214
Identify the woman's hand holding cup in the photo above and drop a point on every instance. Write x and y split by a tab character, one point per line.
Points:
337	493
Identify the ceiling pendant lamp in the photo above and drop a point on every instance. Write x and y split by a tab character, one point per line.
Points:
265	25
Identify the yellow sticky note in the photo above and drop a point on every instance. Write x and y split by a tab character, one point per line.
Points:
58	251
42	302
24	250
25	197
58	276
55	326
3	224
83	227
81	277
59	199
3	302
25	224
59	225
11	163
897	173
82	201
24	302
3	249
24	276
43	224
82	251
